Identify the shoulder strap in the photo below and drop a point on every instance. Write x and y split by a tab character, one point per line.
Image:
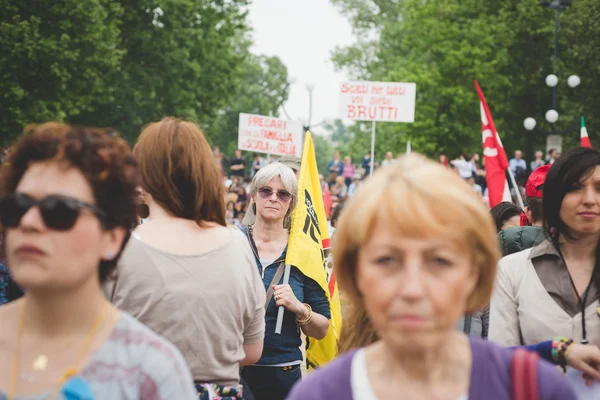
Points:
467	325
274	281
524	375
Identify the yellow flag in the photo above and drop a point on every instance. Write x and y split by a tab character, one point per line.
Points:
308	242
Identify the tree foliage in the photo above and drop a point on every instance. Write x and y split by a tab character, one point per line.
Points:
130	62
444	45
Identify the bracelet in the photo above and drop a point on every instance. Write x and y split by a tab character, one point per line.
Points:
557	343
306	320
560	350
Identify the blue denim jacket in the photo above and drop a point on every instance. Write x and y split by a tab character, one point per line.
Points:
285	348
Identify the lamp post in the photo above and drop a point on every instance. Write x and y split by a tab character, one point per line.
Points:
552	115
558	6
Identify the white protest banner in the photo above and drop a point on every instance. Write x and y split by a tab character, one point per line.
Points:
378	101
260	134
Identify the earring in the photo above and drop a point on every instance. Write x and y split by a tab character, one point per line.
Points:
109	256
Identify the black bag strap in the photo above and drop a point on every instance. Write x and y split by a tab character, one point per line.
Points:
467	327
274	281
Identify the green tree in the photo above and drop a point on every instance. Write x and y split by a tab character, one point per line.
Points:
260	89
182	59
444	45
55	57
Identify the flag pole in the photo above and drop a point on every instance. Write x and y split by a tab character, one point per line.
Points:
514	183
372	148
280	312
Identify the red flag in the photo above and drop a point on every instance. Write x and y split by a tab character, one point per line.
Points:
585	139
496	162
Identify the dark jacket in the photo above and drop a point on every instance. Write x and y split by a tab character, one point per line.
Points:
513	240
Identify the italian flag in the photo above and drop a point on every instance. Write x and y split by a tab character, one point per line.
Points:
585	140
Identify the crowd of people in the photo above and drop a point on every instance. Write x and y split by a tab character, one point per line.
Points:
156	273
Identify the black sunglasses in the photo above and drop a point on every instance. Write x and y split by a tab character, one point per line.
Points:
282	195
58	212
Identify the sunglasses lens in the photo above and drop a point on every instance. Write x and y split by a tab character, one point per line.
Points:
12	209
284	196
59	214
265	193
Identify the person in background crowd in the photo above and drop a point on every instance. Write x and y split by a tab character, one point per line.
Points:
349	170
63	339
443	159
539	160
365	164
354	185
236	182
274	192
219	158
336	166
506	215
242	199
230	212
517	164
339	191
185	274
515	239
389	159
257	163
475	187
238	165
553	155
552	289
414	251
465	168
292	162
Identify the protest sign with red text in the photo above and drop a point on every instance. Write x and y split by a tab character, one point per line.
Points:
378	101
260	134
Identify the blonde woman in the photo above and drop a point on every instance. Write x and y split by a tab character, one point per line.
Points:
414	251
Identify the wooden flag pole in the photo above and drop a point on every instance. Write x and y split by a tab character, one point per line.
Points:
372	148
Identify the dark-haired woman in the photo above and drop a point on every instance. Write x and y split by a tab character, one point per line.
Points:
185	273
552	289
66	209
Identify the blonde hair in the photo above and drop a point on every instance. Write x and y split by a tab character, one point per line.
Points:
418	198
276	170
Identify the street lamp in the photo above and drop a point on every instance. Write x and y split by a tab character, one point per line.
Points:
552	116
573	81
310	87
529	123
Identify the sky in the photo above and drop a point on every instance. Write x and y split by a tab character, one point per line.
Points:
303	33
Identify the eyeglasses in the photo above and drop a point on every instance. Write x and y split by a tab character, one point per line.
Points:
282	195
58	212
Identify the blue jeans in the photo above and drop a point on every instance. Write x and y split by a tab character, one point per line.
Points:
271	383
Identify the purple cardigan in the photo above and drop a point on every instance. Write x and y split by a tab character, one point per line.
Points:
490	378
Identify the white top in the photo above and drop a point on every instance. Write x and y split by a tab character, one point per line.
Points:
521	308
359	379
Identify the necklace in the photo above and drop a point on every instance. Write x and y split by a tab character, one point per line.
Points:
42	360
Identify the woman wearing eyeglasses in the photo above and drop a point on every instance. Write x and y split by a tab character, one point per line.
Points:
66	209
274	194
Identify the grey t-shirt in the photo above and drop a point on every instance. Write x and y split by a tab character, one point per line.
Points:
134	363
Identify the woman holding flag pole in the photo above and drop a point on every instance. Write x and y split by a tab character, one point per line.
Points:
274	193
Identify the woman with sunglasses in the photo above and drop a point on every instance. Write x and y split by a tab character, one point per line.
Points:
66	209
185	274
274	194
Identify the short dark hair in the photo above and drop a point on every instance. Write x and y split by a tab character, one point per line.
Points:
502	212
105	161
569	170
536	206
